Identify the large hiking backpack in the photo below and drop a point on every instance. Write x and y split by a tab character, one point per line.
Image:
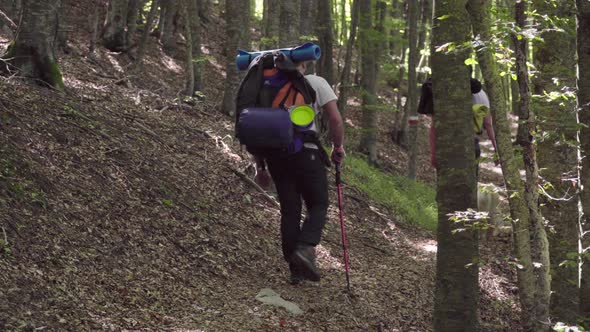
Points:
271	86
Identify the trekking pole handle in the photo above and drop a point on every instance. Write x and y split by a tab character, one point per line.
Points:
338	179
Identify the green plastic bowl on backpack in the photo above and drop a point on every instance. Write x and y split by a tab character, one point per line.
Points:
302	115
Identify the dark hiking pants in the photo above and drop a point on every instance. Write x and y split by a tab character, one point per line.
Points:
300	176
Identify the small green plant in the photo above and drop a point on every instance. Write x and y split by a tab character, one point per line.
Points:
412	201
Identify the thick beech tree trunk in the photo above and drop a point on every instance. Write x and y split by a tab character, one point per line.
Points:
237	16
325	67
457	290
368	61
289	28
32	52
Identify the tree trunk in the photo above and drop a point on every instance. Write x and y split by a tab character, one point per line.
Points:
345	78
584	116
194	22
237	18
32	52
534	297
307	20
558	155
169	10
457	291
132	17
412	85
272	10
326	39
186	7
368	60
289	29
145	34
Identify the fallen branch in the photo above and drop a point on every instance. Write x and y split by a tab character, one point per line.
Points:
12	25
255	185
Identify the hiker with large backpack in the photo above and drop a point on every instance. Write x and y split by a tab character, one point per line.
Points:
277	120
481	118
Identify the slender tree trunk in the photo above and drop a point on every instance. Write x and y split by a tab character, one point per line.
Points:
289	32
132	17
145	34
534	288
237	27
169	10
32	52
456	295
113	31
186	7
558	155
370	118
308	14
345	77
326	39
195	27
583	34
412	85
94	20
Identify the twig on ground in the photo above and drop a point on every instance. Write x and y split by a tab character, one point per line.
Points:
255	185
12	25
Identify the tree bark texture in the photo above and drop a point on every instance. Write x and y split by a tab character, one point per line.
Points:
583	45
325	67
457	291
190	73
113	31
168	12
558	156
289	29
272	19
413	8
32	52
132	17
145	34
370	118
237	18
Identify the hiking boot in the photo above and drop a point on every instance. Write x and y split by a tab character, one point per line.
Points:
296	275
304	259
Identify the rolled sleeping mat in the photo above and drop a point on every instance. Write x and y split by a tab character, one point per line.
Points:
306	52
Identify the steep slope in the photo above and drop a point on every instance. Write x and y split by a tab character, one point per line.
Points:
120	210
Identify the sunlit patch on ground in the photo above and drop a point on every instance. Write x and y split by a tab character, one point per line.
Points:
326	260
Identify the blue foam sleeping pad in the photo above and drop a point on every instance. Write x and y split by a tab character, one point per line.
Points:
305	52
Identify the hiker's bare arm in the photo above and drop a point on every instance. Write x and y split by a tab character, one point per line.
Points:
334	123
487	123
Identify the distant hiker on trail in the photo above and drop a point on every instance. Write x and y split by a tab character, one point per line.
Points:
299	169
481	118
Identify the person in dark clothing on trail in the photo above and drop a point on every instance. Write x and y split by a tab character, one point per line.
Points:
302	177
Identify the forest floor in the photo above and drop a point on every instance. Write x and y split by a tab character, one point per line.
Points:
121	209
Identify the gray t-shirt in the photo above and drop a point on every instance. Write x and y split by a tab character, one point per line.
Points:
323	93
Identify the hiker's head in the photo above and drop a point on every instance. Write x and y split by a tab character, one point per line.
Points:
475	85
302	66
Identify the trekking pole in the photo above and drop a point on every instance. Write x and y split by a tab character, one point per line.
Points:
339	188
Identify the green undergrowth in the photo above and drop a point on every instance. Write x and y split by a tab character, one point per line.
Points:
412	202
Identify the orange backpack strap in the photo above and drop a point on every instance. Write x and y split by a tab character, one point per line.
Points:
288	96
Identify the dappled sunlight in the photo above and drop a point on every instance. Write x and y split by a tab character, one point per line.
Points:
326	260
428	246
493	284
